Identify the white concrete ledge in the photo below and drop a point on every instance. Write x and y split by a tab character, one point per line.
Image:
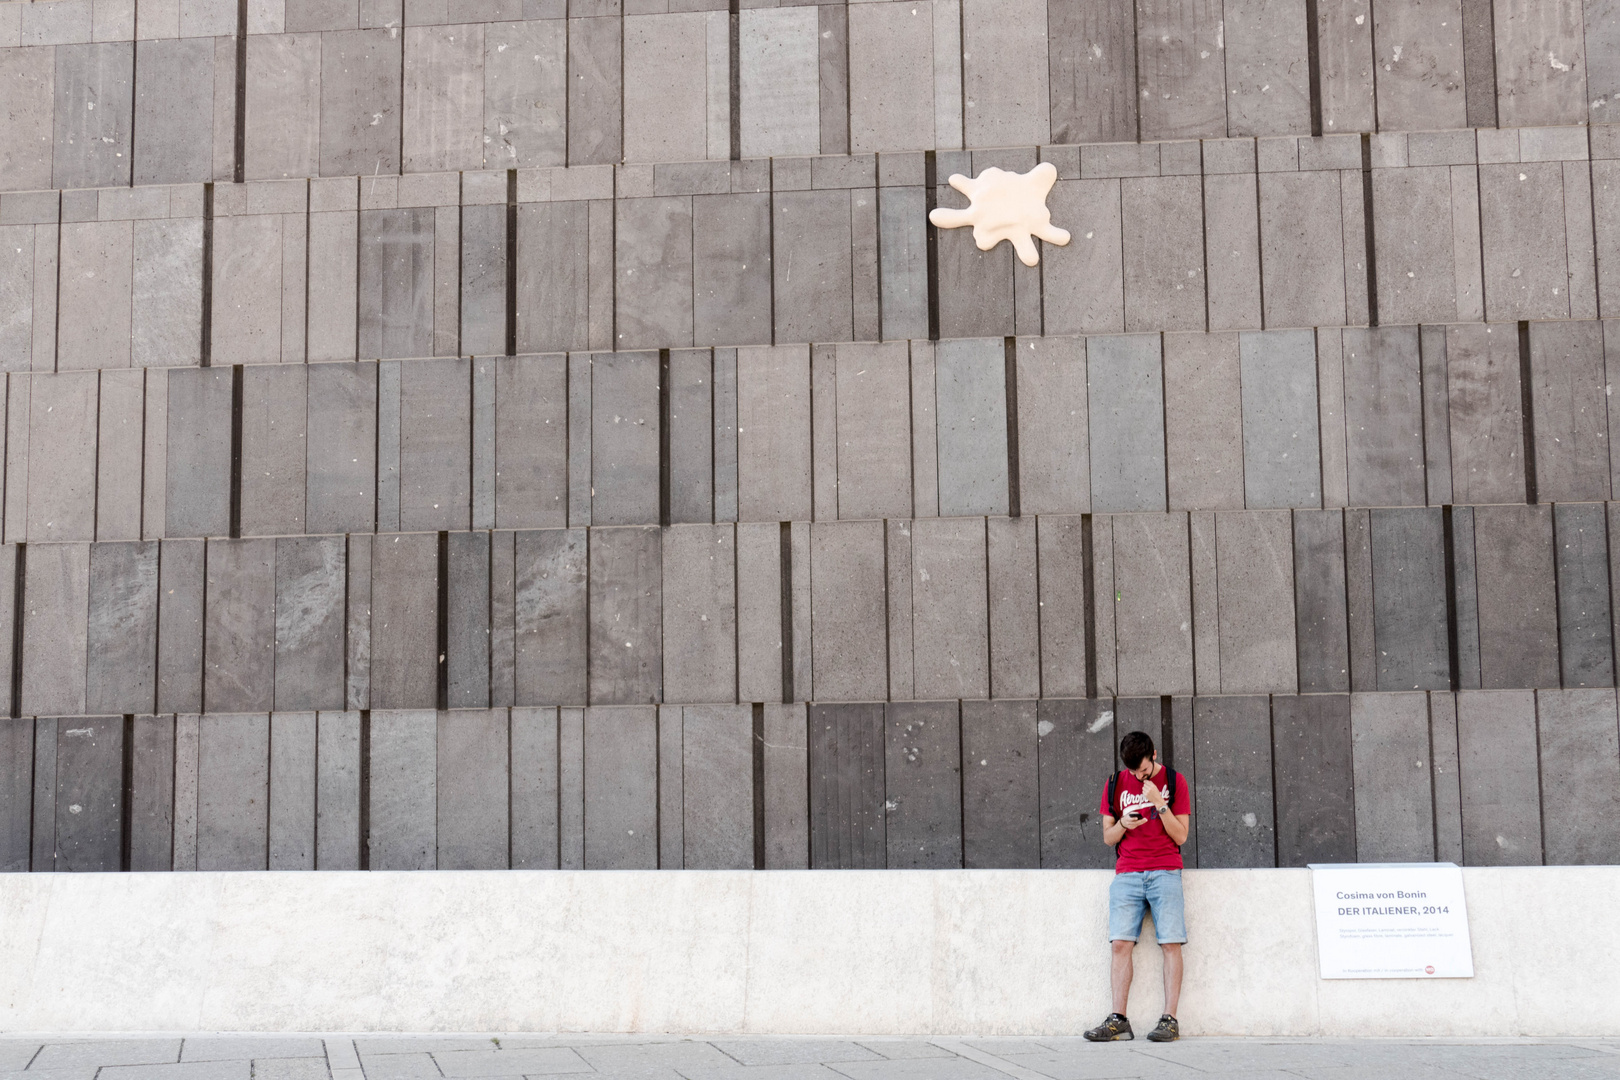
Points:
939	952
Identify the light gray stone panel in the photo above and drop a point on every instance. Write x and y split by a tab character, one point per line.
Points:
1585	625
1486	413
950	619
534	789
525	94
553	277
971	403
233	788
1518	616
550	632
1417	259
849	648
404	621
621	788
891	78
1311	736
55	628
292	791
531	442
95	108
626	605
61	459
1235	818
773	433
780	106
1204	421
1319	601
275	409
700	613
1005	99
361	85
1501	792
1465	597
1523	231
96	289
340	457
1126	403
435	450
924	431
897	569
1255	568
923	785
671	790
812	268
283	129
1054	459
1163	219
833	77
717	783
1084	282
1232	251
1579	748
442	122
787	801
1418	61
246	325
1267	71
1531	88
503	619
29	76
17	793
1281	444
151	792
396	283
122	628
1000	784
467	620
625	439
731	268
571	789
174	111
88	795
903	262
974	290
759	612
337	791
1091	70
1447	792
473	806
595	111
334	281
1384	416
1394	800
483	279
1180	69
1302	249
1062	599
666	99
43	848
873	430
166	293
1568	395
1153	614
403	770
1015	647
653	292
239	635
181	581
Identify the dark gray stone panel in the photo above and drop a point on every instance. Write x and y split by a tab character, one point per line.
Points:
1319	602
671	790
1409	599
873	430
120	455
95	110
1568	384
311	579
1316	803
731	269
1486	413
483	280
174	111
571	789
699	567
43	854
847	750
396	283
1522	229
89	794
534	789
1153	612
1394	793
16	793
551	629
625	424
787	796
1302	248
240	634
621	788
435	444
531	442
626	616
975	287
691	437
123	628
553	277
526	90
971	407
1518	612
1060	559
1465	597
1204	418
361	87
1076	750
773	434
849	646
55	629
1416	255
357	649
1359	608
1501	791
275	408
1163	221
1580	750
1436	410
181	577
1000	784
1281	456
1383	410
595	59
1235	820
903	261
468	645
1447	792
293	787
61	455
341	453
1084	282
923	785
759	612
1421	85
1144	714
151	794
1126	399
401	814
1255	575
404	621
1180	753
1092	70
717	763
233	789
652	295
474	799
1015	646
950	608
1054	462
1232	245
1181	69
503	619
813	267
1585	626
337	791
1267	74
198	456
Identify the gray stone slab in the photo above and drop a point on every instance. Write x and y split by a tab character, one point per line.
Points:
483	279
473	822
531	442
292	791
181	583
401	812
1479	62
97	280
1153	604
1316	803
1235	820
1530	88
27	131
1418	62
334	278
1084	282
95	106
759	612
1302	248
240	632
1465	597
950	620
166	300
435	444
283	129
595	58
621	788
120	454
779	77
337	791
671	790
1075	745
1359	609
923	785
534	789
89	794
1518	618
340	478
1054	461
1000	771
847	821
42	855
1486	413
1060	556
1091	71
123	628
550	632
1501	796
1163	219
1447	792
626	605
971	403
786	797
653	298
1319	601
812	268
467	652
55	629
1579	745
1281	445
396	282
151	794
1523	232
442	103
198	459
1015	648
525	94
699	566
1232	250
174	111
773	434
849	647
404	621
1384	417
891	79
361	85
1267	73
553	277
571	789
1567	384
1436	414
233	788
275	411
1126	403
1394	797
1205	419
1585	625
731	269
17	793
903	260
1417	281
665	109
873	430
975	290
998	93
61	456
1180	65
503	619
718	788
1409	599
1255	560
625	438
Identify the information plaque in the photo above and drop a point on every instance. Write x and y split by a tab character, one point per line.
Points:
1391	921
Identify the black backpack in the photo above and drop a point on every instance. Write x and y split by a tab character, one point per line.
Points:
1113	799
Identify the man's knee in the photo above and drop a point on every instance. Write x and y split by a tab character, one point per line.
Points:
1123	948
1172	947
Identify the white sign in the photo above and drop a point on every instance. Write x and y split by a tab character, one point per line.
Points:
1391	921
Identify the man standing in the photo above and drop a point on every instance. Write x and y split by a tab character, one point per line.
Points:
1145	810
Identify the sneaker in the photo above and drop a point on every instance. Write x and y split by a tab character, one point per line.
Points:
1167	1031
1114	1029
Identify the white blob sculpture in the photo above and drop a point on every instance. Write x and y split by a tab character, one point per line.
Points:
1006	206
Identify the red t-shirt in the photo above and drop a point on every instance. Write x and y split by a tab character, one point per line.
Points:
1148	846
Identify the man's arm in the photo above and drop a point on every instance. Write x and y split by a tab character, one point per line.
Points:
1114	831
1175	825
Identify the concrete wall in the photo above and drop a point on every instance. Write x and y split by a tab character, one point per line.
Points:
957	952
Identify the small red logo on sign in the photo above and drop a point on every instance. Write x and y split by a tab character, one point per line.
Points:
1429	970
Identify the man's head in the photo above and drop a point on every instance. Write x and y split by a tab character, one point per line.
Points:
1136	751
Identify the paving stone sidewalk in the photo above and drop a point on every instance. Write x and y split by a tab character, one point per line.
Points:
478	1057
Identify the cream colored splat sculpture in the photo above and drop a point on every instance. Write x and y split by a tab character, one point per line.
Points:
1006	206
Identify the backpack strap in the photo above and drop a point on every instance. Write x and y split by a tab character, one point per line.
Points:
1113	795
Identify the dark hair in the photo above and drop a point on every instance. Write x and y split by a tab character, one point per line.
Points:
1134	747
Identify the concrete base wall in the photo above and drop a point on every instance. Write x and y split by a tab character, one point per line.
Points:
847	952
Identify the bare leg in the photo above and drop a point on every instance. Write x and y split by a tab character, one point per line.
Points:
1122	971
1172	977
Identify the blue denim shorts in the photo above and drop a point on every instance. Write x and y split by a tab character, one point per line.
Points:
1131	895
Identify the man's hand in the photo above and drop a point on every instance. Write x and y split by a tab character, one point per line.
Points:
1133	821
1153	794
